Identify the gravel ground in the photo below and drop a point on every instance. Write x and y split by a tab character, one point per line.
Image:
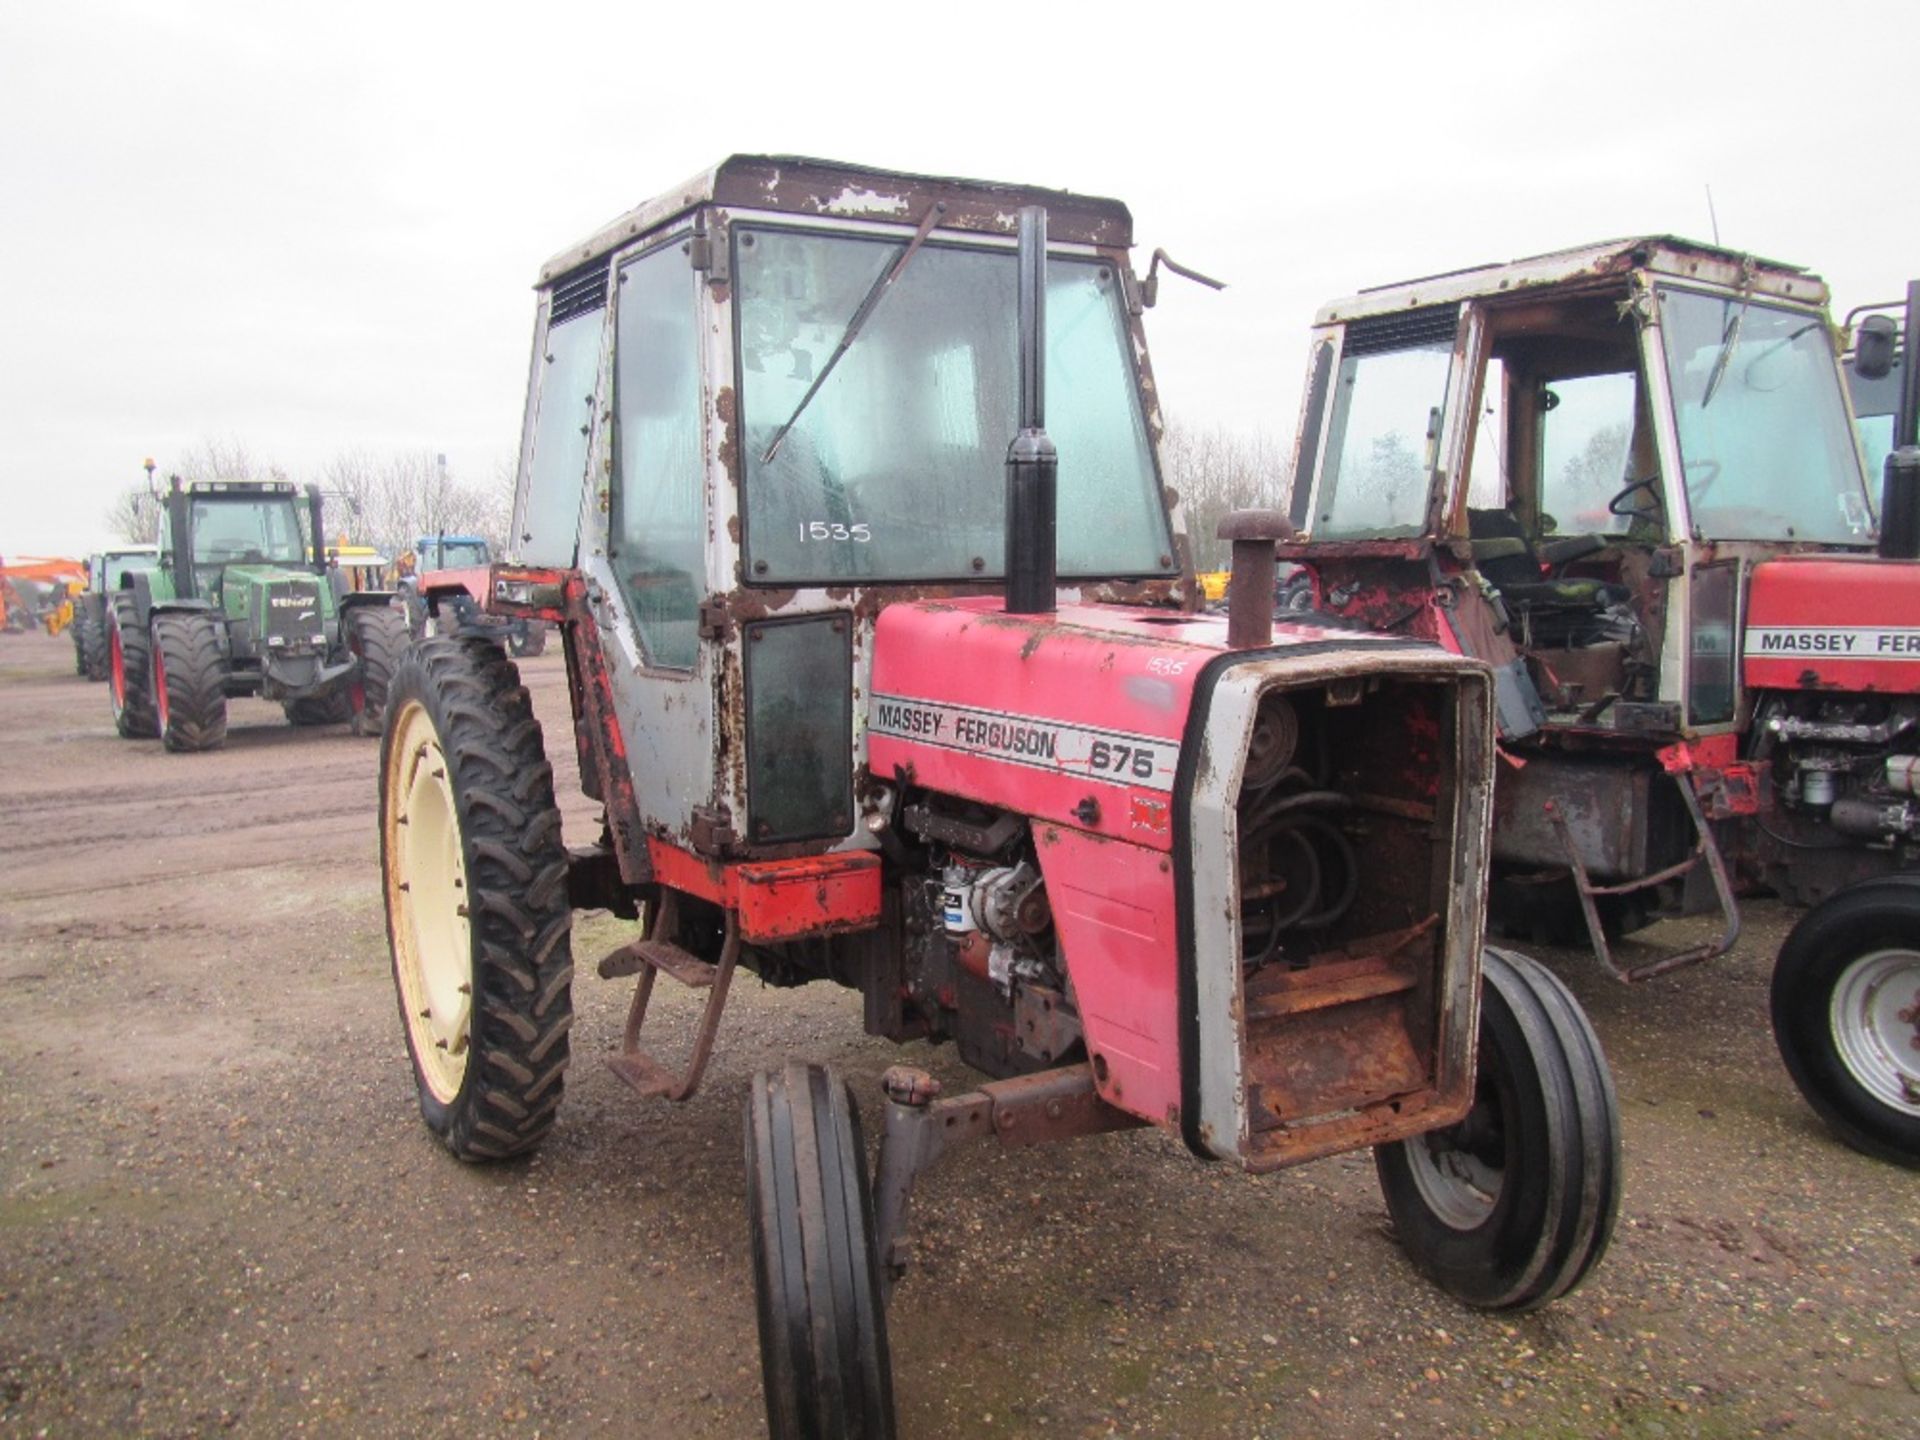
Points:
219	1210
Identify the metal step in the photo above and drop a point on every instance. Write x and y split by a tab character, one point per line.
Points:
628	959
647	1076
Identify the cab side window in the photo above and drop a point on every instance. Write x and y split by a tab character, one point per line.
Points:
656	545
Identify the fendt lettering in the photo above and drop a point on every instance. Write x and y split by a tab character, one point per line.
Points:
1587	468
791	491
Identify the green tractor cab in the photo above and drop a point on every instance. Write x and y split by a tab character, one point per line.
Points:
236	606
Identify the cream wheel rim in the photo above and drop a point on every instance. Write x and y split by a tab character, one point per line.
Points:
427	898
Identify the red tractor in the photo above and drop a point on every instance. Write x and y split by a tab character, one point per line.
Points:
1625	476
869	697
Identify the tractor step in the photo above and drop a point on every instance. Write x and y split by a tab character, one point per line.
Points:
646	1076
649	959
630	959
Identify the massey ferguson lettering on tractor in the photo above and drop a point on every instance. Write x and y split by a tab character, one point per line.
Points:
854	715
1625	476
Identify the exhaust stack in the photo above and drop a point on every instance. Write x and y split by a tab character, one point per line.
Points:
1032	464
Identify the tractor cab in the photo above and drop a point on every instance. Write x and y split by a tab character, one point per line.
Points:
1622	475
1569	466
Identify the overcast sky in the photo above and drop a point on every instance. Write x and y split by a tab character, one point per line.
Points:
313	228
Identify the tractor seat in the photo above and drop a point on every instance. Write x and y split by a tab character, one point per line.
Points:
1506	557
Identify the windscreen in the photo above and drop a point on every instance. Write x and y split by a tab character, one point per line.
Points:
896	468
453	554
228	531
1764	440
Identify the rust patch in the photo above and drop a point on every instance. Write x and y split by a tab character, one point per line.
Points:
727	408
733	531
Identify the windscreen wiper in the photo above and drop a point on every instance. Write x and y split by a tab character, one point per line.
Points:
1729	339
860	317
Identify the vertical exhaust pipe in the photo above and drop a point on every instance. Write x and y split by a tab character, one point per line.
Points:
179	539
1900	480
1032	464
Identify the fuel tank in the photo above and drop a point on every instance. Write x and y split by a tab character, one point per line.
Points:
1833	622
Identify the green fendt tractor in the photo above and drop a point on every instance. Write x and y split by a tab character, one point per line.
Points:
240	605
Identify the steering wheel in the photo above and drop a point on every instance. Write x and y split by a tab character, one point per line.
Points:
1618	506
1696	489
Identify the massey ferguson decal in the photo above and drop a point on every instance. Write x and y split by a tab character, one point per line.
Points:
1857	642
1140	761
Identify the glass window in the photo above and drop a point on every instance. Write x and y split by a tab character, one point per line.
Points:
225	531
439	553
567	372
656	545
1764	440
896	470
1488	485
1386	423
1586	431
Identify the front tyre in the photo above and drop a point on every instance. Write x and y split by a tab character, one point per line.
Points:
1513	1206
129	671
189	681
377	637
1846	1014
476	889
824	1361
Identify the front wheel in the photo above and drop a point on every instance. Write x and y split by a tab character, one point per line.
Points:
824	1362
476	890
189	681
129	671
1846	1014
1513	1206
530	639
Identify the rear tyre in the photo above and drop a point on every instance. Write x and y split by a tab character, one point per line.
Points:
129	671
335	708
823	1329
476	890
91	631
189	675
377	637
1513	1206
1846	1014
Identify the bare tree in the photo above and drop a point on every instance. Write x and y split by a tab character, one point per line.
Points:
135	516
1216	471
390	501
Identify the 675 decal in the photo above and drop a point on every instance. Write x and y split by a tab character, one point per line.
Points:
1111	757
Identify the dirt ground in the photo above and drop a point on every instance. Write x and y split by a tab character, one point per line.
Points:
220	1211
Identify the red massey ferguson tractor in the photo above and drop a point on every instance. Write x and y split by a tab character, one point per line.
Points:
1625	476
849	722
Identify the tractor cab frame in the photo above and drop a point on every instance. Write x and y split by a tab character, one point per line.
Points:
1574	466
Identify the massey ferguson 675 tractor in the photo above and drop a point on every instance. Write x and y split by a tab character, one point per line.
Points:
1625	477
849	722
238	605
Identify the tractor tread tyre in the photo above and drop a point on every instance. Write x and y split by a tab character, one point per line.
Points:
93	646
1821	960
823	1327
515	956
333	709
129	671
189	681
1546	1127
378	637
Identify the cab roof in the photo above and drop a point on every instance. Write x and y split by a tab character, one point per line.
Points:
803	186
1667	256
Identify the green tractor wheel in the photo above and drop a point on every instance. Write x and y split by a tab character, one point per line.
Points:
189	681
129	661
378	638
